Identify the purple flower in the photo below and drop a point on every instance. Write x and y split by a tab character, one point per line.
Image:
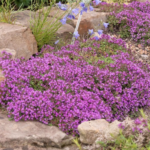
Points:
100	32
96	38
91	8
75	11
97	2
63	20
63	7
91	32
121	126
84	9
82	4
105	24
76	34
59	4
70	16
56	41
137	121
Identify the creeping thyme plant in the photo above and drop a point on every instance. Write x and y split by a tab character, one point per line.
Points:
134	135
130	21
94	79
63	88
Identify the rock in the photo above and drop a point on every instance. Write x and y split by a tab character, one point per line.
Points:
18	38
11	51
144	56
23	18
97	130
24	133
57	12
65	32
32	147
54	12
90	130
2	77
90	20
113	129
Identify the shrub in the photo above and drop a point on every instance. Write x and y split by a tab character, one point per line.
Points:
6	9
65	91
134	21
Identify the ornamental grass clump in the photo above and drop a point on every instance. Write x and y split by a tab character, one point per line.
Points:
65	91
132	22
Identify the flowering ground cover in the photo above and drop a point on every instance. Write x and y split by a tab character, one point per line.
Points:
94	79
130	21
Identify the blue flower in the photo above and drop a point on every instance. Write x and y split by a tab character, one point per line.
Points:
82	4
96	38
100	32
63	20
59	4
75	11
76	34
70	16
105	24
56	41
97	2
91	8
84	9
63	7
91	31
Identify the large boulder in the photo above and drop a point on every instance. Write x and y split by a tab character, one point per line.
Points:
24	133
99	129
66	32
18	38
23	18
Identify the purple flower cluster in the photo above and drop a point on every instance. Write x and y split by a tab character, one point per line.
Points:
134	20
55	88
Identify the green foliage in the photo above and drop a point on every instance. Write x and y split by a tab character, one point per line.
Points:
76	141
121	28
44	28
121	143
103	52
6	9
36	84
27	3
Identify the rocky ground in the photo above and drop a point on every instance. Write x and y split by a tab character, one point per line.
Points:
140	52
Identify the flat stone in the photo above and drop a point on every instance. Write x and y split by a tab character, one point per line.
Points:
18	38
24	133
90	130
97	130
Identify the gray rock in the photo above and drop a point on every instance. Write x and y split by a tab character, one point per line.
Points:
24	133
97	130
144	56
